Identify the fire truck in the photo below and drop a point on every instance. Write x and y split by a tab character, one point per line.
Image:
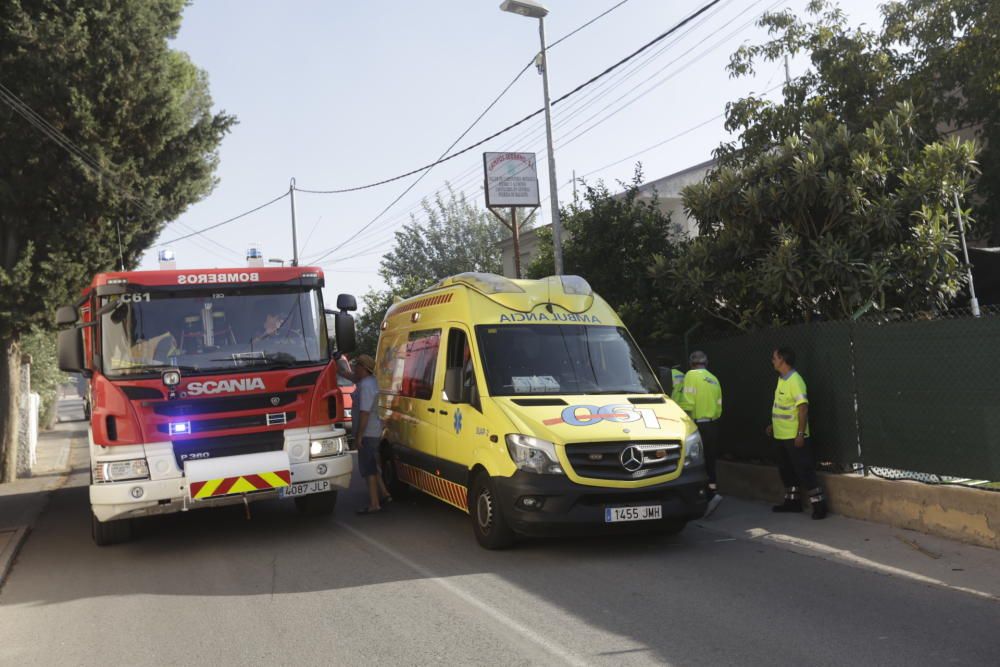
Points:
209	387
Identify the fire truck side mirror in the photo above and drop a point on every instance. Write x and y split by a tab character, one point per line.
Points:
70	350
346	302
343	325
66	316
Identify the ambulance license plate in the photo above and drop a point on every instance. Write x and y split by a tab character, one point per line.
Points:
304	488
638	513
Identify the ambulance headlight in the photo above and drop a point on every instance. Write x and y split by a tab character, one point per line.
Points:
533	455
327	447
120	471
695	450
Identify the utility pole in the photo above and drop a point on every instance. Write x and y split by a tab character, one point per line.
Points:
295	242
788	77
974	302
553	186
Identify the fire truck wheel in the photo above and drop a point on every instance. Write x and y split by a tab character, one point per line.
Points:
110	532
488	523
317	504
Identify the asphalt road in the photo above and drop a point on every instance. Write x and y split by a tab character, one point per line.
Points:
411	586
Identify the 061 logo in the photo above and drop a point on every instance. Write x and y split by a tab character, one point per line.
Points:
587	415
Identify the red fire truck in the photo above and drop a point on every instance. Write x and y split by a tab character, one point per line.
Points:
209	387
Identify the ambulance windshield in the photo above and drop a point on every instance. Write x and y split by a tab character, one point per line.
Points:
216	331
562	359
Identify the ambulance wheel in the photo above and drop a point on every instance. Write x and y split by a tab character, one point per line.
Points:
390	477
488	523
317	504
110	532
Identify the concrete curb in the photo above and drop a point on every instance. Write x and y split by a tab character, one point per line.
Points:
967	515
11	550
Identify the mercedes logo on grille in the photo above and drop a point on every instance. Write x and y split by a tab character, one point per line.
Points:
631	458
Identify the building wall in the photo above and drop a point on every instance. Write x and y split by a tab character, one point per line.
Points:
668	191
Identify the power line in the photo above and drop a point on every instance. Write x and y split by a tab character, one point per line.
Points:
225	222
454	143
510	127
565	120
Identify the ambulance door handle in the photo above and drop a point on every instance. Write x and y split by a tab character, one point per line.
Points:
442	412
431	410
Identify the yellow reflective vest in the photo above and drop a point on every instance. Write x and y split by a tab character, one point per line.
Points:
702	395
677	390
788	396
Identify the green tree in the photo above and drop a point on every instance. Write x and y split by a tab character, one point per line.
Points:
454	236
45	373
830	222
611	241
943	56
143	137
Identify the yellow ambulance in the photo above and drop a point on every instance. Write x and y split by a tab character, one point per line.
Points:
527	404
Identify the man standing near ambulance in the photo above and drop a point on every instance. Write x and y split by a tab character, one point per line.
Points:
790	430
701	398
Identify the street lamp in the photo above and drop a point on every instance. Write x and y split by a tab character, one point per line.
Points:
535	10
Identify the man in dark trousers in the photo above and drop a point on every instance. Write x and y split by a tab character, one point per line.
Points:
790	429
701	398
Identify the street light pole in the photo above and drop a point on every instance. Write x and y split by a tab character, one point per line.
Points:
533	9
553	188
295	241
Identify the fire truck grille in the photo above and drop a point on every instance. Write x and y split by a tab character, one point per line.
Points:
202	406
227	445
226	423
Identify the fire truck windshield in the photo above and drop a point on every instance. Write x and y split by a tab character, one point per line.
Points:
211	332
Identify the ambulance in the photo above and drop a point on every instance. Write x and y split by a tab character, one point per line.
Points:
527	405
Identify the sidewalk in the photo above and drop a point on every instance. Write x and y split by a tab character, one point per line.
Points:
24	499
878	547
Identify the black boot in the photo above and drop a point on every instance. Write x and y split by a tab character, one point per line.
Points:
792	503
818	506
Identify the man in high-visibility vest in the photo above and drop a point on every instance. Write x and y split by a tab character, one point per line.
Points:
677	382
790	429
701	397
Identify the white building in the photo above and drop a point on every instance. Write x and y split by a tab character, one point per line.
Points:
668	189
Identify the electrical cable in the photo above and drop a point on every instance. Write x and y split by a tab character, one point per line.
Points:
225	222
515	124
672	62
445	157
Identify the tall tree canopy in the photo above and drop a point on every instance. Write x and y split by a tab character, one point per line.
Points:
830	222
611	240
453	236
943	56
144	142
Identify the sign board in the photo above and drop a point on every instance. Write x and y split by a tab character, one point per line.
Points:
511	179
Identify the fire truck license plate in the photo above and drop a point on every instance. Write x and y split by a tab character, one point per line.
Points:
305	488
640	513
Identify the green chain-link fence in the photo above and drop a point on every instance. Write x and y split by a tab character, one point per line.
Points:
911	394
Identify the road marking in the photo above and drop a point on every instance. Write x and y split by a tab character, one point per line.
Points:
552	647
854	559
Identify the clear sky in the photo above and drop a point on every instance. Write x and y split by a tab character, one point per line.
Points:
340	94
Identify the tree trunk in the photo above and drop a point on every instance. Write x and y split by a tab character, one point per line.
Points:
10	381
